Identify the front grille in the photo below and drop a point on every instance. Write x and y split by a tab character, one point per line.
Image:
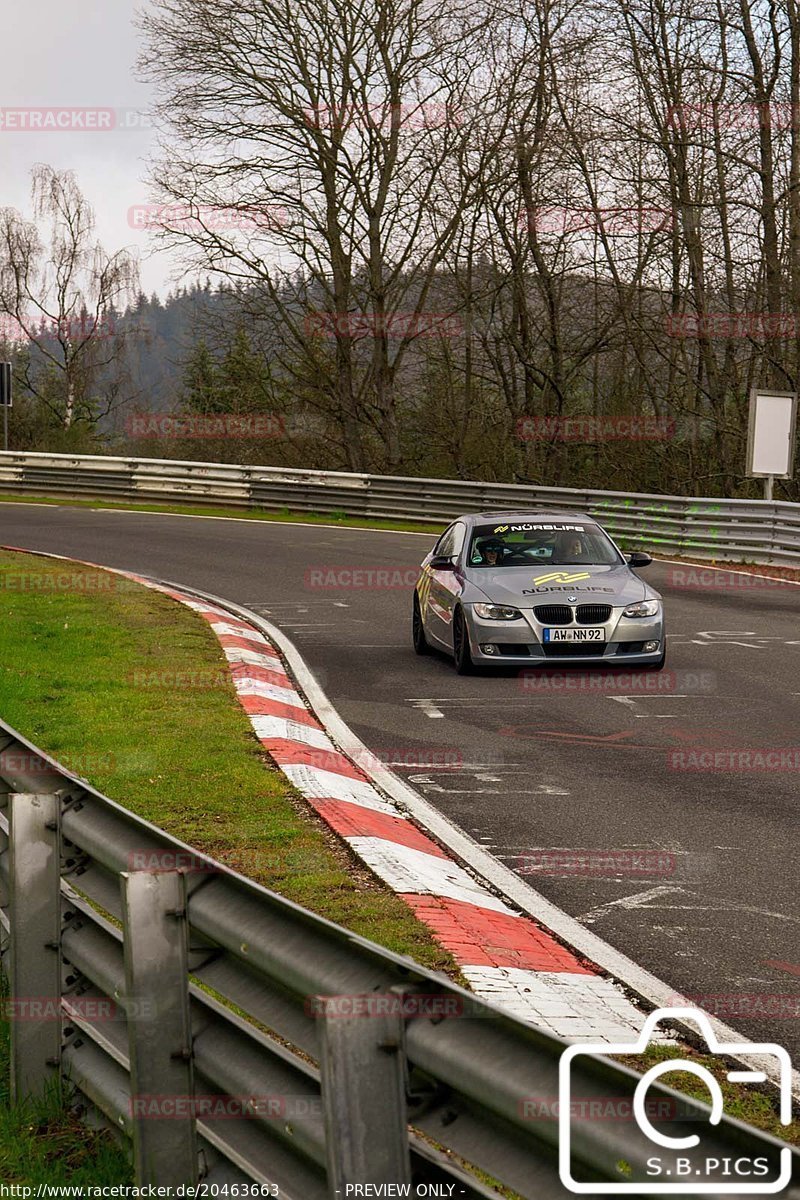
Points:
593	614
554	614
514	649
574	649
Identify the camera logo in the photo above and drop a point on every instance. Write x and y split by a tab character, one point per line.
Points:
642	1169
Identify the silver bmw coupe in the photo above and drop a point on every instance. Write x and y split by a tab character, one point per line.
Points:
536	588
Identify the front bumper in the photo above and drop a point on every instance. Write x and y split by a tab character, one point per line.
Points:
521	642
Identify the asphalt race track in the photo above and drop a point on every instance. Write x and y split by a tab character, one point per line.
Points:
702	886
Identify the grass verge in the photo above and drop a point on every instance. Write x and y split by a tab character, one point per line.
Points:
131	690
755	1108
184	757
43	1143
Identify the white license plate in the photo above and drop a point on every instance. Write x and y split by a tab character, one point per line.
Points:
587	634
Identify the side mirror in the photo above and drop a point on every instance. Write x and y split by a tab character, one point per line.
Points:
639	559
440	562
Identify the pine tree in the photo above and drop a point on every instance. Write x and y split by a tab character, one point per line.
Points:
200	381
245	382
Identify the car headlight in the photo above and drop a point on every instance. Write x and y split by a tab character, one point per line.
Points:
497	612
644	608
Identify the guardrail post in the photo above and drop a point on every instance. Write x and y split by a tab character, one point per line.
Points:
34	917
156	942
363	1066
4	916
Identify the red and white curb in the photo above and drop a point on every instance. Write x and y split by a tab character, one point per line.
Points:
507	957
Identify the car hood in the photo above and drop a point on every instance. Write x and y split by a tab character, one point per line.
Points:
525	586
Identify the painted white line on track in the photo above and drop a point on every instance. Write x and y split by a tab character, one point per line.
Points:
636	900
142	512
632	701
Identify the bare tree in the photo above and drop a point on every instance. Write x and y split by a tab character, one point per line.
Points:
330	127
60	295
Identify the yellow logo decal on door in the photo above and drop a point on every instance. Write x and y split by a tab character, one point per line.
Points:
424	591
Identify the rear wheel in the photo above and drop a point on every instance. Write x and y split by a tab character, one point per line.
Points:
461	652
418	629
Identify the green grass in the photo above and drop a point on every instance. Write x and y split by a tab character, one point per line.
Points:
184	757
241	514
746	1104
76	647
44	1143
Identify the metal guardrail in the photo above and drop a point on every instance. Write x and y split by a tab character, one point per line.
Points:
179	993
735	530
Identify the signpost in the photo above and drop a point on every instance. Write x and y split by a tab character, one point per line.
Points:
771	436
5	397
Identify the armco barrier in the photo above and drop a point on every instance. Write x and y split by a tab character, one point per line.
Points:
194	1011
734	530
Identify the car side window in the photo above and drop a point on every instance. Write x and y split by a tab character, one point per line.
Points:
442	547
459	533
451	541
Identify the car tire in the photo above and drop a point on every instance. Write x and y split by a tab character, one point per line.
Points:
462	656
421	645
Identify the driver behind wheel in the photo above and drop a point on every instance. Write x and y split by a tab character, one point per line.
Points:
491	551
572	550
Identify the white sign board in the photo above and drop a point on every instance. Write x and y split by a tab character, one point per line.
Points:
771	434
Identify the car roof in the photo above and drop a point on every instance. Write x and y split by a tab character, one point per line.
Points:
528	514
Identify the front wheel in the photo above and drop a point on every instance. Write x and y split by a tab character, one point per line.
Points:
418	630
461	652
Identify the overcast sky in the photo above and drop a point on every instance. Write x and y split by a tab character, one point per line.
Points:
81	54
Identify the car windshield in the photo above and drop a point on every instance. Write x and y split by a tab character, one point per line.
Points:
519	544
